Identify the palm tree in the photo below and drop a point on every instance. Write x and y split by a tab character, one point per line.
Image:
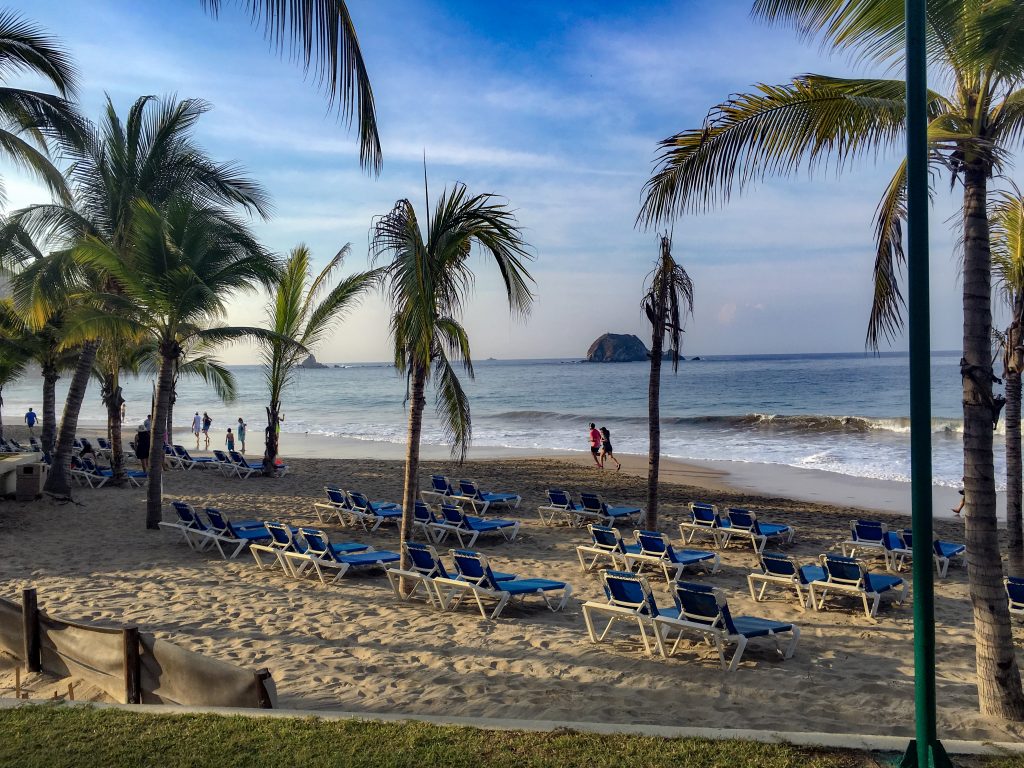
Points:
173	285
118	354
1007	221
428	279
301	315
816	121
669	298
196	361
15	350
322	34
150	156
34	124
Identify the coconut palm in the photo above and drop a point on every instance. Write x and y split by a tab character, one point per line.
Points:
812	122
150	156
34	124
173	283
427	281
323	36
302	311
669	298
197	360
1007	221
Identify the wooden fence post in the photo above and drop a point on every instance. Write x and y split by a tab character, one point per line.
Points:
30	621
132	666
263	696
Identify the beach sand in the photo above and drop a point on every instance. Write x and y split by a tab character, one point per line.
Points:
355	646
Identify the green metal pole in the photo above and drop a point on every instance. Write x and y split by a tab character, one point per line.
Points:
925	751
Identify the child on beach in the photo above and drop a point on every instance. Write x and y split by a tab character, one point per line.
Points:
595	445
229	440
606	449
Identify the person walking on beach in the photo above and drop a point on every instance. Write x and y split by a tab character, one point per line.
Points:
606	449
142	446
197	427
207	423
229	441
241	434
30	420
595	445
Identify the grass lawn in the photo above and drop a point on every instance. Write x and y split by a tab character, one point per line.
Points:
53	737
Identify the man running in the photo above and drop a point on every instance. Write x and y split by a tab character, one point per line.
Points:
31	419
595	445
197	427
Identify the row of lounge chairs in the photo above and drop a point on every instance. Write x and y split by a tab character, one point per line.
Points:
722	527
228	463
591	508
469	491
10	445
897	547
649	549
84	471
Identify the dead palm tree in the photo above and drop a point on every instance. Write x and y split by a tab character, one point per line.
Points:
667	302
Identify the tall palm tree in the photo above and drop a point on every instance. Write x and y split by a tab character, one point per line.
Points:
34	124
150	156
302	311
669	298
428	280
1007	221
322	35
117	355
173	285
975	48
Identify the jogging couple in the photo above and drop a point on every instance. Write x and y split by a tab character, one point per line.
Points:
601	446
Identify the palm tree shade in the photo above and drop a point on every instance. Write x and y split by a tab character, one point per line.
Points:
427	281
815	122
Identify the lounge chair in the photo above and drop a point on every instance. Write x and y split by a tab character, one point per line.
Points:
321	555
284	547
35	445
469	490
606	543
440	489
777	568
943	552
83	476
851	576
595	508
426	520
630	599
560	508
188	525
243	467
372	514
865	535
426	566
337	506
744	523
188	462
656	550
704	610
101	476
224	463
237	536
705	520
478	580
103	447
462	525
1015	594
171	459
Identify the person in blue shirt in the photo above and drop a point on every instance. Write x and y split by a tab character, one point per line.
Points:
31	419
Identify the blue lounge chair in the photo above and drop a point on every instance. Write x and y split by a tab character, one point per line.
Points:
865	535
943	552
1015	594
851	576
103	446
224	463
322	555
777	568
440	489
595	508
426	520
606	543
744	523
704	610
188	525
190	462
705	520
237	535
171	459
101	476
478	580
284	547
372	514
426	565
560	508
83	476
629	599
469	490
462	525
656	550
337	506
242	467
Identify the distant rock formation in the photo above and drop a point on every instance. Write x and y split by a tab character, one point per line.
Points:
617	348
310	362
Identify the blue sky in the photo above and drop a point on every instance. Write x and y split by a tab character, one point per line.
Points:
558	108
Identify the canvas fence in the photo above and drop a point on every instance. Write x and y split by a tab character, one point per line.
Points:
130	666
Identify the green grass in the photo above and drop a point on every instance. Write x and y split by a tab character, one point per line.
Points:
53	737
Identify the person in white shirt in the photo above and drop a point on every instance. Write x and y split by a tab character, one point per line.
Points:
197	427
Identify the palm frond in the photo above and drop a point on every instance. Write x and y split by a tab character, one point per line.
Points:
453	410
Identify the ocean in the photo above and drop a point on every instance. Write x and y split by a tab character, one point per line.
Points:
845	413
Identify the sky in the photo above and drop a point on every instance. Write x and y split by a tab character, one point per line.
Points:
556	107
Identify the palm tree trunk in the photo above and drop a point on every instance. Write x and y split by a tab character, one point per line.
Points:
58	481
654	408
49	408
412	458
999	684
115	426
170	408
271	438
1014	474
154	491
1	413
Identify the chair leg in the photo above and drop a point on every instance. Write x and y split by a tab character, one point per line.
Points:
741	645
